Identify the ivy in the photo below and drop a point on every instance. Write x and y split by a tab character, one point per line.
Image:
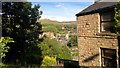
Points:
117	19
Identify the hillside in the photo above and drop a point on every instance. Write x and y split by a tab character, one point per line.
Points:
48	21
58	27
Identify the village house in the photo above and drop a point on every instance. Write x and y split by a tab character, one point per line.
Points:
49	35
97	42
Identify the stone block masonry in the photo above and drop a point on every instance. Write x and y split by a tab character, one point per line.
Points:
91	40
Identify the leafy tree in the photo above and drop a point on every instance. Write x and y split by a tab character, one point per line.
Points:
19	21
3	44
72	41
51	29
117	19
52	48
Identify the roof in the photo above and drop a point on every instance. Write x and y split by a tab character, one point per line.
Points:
98	7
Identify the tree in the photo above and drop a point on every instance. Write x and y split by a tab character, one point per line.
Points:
51	29
117	19
3	44
72	41
53	48
19	21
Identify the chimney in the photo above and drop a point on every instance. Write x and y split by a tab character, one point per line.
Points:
96	1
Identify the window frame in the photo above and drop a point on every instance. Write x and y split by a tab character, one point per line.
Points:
111	21
104	58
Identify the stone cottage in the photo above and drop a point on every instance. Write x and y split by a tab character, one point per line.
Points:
97	42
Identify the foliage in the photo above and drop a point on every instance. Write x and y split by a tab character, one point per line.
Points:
117	19
75	53
64	53
51	29
19	21
48	61
53	48
3	44
73	41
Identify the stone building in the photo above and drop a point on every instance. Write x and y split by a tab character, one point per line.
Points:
49	35
97	42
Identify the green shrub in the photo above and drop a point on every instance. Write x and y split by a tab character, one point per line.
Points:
72	41
75	53
48	61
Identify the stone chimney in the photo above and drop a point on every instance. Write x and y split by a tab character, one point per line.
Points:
96	1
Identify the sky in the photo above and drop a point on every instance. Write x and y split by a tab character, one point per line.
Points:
61	11
60	0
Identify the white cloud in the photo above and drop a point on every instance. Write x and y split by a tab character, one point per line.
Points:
60	18
60	5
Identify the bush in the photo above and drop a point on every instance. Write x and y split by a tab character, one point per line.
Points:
73	41
48	61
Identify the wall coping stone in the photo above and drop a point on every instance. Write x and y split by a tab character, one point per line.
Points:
97	36
106	34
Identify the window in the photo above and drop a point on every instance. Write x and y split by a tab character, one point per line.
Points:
107	20
108	57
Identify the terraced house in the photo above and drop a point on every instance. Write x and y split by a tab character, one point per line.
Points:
97	42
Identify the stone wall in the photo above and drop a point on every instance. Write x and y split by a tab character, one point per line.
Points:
88	25
90	40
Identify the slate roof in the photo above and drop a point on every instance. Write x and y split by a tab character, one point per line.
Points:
98	7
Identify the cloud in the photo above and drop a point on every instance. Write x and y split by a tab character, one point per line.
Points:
57	0
60	5
60	18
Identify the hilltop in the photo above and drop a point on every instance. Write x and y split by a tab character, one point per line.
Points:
58	27
48	21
